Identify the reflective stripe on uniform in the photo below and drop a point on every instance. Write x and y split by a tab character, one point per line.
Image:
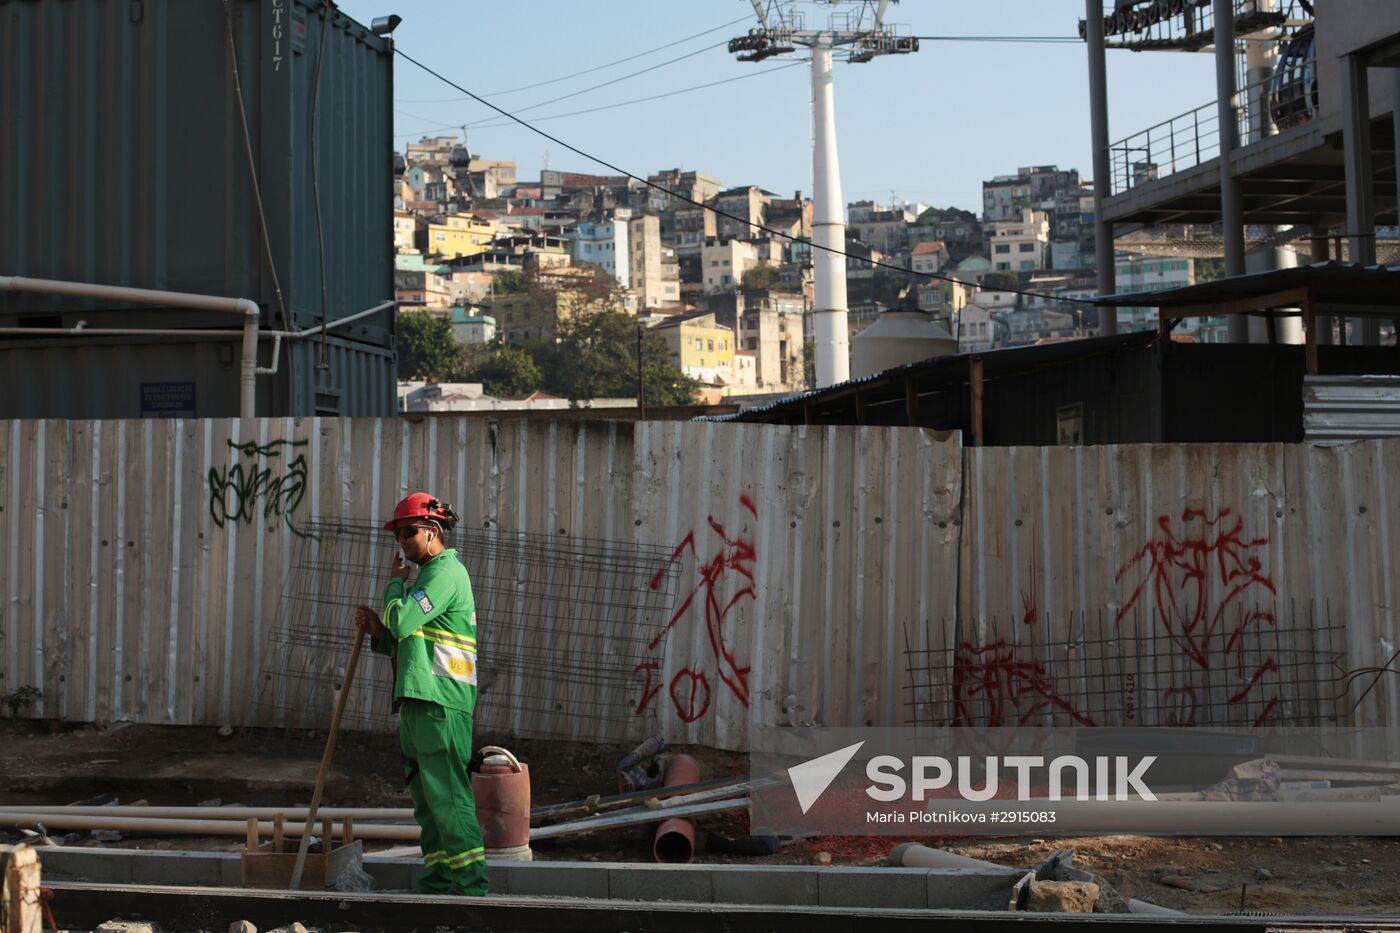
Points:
454	656
466	858
432	858
446	637
453	662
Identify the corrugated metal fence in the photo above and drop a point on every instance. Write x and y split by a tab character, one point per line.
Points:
701	579
1349	408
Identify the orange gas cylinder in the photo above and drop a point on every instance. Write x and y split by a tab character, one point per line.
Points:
502	789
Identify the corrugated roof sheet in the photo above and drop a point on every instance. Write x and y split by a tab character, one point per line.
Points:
951	368
1331	282
1348	408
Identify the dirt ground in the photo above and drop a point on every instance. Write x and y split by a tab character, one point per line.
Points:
58	764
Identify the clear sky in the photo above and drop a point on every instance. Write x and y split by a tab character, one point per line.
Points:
928	127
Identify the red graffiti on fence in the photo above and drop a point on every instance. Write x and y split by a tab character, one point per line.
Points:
1030	612
730	561
1178	571
1012	691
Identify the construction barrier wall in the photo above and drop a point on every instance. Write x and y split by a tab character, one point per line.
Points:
701	580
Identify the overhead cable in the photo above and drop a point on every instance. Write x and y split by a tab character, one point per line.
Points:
629	75
716	211
579	74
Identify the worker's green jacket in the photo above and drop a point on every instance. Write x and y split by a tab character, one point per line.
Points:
434	626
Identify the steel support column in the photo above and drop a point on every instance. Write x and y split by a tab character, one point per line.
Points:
1098	117
1360	179
1321	252
1231	198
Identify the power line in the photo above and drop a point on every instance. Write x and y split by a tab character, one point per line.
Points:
579	74
716	211
642	100
486	121
633	74
575	113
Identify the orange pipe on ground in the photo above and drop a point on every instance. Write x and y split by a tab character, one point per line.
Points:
675	838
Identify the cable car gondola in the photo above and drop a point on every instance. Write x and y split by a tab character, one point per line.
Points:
1293	90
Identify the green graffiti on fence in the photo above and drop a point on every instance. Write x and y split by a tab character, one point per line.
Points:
267	476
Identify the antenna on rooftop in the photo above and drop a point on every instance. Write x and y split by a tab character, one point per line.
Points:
856	31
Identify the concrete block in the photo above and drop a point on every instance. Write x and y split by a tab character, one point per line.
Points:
497	877
660	883
197	869
787	885
971	888
873	887
556	879
392	874
231	871
87	865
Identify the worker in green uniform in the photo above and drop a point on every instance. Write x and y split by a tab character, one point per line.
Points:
430	627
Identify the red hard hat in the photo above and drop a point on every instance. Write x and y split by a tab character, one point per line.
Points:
419	505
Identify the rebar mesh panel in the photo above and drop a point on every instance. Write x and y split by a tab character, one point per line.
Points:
1284	672
561	623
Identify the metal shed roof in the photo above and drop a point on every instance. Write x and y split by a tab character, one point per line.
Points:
944	370
1331	285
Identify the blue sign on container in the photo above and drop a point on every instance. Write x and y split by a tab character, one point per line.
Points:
167	399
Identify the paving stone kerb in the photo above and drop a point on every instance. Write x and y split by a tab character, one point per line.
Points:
784	885
877	887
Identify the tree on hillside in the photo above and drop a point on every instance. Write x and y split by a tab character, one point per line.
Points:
513	282
598	289
998	281
427	348
762	275
509	372
595	356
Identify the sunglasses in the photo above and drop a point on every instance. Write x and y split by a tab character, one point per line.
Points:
408	531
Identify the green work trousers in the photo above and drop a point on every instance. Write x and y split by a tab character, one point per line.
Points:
437	744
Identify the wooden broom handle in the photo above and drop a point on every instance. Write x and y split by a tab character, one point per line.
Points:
326	765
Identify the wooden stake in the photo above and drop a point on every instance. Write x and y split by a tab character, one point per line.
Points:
20	910
326	761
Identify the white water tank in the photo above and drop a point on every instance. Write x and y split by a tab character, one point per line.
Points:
896	338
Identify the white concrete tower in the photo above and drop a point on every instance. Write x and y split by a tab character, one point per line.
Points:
860	36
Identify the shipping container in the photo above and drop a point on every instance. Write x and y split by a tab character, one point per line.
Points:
125	162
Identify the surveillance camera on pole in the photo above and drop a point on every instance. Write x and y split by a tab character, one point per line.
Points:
857	33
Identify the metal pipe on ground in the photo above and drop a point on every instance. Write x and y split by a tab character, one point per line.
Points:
637	816
405	833
914	855
159	827
675	838
241	814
